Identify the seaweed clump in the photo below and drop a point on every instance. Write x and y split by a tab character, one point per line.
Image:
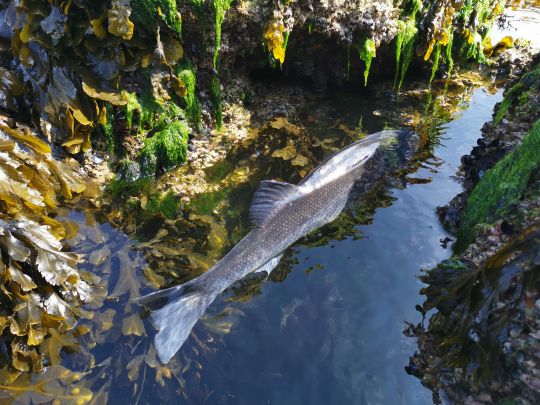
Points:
444	24
109	69
167	148
480	307
41	287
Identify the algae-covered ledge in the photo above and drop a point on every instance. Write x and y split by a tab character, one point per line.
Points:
124	75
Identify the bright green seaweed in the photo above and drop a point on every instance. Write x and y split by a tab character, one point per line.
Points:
186	72
405	40
220	7
367	53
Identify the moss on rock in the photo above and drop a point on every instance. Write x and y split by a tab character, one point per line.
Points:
168	146
148	12
517	91
501	186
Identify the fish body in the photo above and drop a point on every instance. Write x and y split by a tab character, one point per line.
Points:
282	213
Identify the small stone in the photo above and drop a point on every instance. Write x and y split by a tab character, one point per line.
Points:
485	397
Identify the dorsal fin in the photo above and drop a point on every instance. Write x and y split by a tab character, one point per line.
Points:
270	195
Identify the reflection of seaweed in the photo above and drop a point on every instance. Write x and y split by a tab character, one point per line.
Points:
478	306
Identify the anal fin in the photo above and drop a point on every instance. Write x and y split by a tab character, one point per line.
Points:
269	265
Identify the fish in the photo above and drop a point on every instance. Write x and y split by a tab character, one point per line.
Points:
281	213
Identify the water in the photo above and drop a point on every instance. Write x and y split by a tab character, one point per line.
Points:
327	327
521	23
334	334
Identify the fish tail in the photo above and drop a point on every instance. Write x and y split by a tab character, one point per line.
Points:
174	312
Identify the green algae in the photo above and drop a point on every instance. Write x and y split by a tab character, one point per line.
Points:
132	106
108	129
166	204
207	203
477	17
150	108
220	7
516	92
405	40
148	13
186	72
215	89
119	188
500	187
168	145
367	53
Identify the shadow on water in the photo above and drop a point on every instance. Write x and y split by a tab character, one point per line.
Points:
327	326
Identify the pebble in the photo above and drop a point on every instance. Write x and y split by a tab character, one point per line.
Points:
485	397
515	332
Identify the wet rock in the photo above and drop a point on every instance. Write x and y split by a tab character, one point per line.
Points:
514	372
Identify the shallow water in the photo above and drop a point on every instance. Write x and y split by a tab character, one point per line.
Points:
327	327
334	334
522	23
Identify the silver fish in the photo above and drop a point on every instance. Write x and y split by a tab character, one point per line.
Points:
282	213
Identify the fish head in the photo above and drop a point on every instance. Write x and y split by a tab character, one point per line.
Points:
350	159
357	153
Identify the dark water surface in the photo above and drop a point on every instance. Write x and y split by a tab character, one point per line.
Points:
331	330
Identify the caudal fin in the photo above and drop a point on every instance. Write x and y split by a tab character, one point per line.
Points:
174	312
